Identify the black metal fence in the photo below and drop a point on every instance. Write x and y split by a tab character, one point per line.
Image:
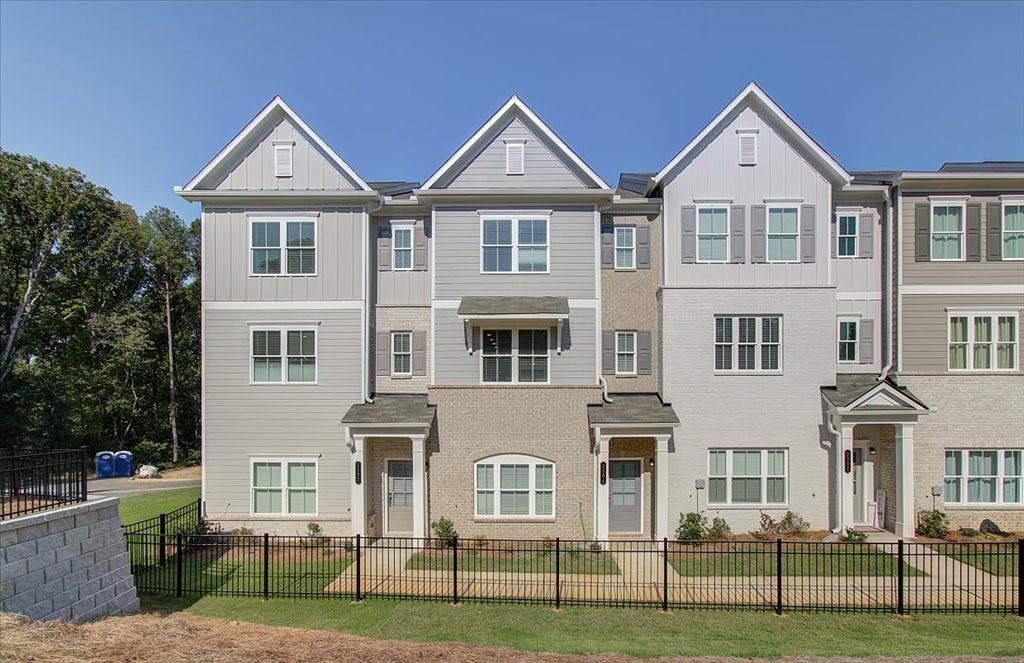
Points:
760	575
36	480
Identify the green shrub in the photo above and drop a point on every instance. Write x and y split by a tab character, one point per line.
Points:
969	532
793	523
243	531
444	532
933	524
719	530
692	527
790	524
314	529
853	536
595	546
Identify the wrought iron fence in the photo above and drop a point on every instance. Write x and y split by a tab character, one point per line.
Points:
36	480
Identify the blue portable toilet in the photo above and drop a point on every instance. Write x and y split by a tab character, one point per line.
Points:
123	464
105	464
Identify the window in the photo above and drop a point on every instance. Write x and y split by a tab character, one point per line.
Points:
947	232
1013	231
747	476
283	159
299	358
754	347
497	355
515	356
265	246
285	486
528	253
625	353
713	234
983	341
984	476
401	248
748	146
401	353
847	236
515	158
848	345
783	231
514	486
533	355
625	247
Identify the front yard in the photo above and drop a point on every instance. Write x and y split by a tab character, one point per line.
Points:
140	506
739	559
515	561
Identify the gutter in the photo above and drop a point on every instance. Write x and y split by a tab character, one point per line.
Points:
837	479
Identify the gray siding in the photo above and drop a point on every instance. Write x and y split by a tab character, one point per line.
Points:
572	257
400	288
226	258
859	274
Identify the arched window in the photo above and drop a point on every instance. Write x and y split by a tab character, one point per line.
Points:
514	486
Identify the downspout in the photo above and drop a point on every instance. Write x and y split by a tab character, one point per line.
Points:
601	209
366	294
889	294
604	391
838	475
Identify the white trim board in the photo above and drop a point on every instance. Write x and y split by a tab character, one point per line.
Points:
964	289
325	305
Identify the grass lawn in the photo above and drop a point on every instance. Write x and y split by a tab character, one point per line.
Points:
140	506
856	561
637	632
526	562
999	562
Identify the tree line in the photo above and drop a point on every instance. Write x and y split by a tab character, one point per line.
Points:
99	318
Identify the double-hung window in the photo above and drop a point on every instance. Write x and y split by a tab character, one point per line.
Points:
984	476
296	365
515	356
401	353
283	486
983	341
515	486
847	236
848	342
625	247
532	355
1013	230
747	476
514	245
401	247
712	234
748	343
947	232
783	234
496	355
625	353
265	248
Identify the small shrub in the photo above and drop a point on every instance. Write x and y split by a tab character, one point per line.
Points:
719	530
933	524
314	529
969	532
853	536
793	523
243	531
480	542
692	527
349	546
444	532
768	529
595	546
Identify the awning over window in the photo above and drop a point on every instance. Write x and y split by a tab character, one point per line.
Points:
632	410
514	308
391	410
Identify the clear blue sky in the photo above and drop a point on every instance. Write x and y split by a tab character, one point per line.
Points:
139	96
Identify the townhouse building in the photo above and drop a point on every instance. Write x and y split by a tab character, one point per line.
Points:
517	346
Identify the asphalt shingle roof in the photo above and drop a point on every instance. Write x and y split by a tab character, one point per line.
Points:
471	306
632	409
411	409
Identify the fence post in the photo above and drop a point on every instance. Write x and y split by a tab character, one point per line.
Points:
1020	577
85	474
558	573
664	574
359	569
778	576
163	539
178	564
455	569
266	566
199	509
899	577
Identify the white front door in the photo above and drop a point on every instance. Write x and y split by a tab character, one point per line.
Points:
864	483
398	486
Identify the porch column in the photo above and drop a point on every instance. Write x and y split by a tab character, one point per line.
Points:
846	476
358	491
601	492
419	485
661	487
905	480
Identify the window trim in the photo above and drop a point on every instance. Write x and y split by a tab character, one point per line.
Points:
521	144
284	329
839	339
515	218
496	461
282	230
764	476
964	502
403	226
752	134
768	235
288	147
994	315
283	461
758	344
728	233
1010	202
394	373
840	236
962	204
625	332
616	248
514	330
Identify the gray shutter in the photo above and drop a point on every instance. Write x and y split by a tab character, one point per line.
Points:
383	353
608	352
419	249
807	229
866	230
994	231
643	247
643	353
737	233
607	244
867	341
419	353
758	239
834	235
384	247
688	214
974	232
922	232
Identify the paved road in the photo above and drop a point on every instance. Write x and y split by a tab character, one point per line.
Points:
128	486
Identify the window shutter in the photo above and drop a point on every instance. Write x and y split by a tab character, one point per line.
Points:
419	250
922	232
384	247
807	228
994	231
737	233
643	353
974	232
643	247
834	235
688	214
867	341
515	158
419	353
758	239
608	352
748	149
607	244
383	353
282	160
866	230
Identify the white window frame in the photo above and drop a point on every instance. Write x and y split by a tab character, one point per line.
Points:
971	316
728	232
515	218
631	247
759	345
496	462
286	147
768	233
729	476
282	233
510	145
1002	229
283	330
283	462
964	478
394	354
515	352
403	227
840	236
633	354
962	204
856	340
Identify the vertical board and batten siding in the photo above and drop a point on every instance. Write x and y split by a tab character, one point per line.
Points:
485	168
405	287
863	273
458	251
244	420
714	173
339	258
453	365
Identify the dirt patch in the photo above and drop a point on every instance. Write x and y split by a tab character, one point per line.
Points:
179	473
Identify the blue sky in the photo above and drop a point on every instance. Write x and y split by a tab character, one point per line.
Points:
139	96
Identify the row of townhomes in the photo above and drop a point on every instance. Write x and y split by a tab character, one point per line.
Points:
524	349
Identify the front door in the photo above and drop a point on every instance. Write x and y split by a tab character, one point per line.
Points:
864	484
625	495
399	497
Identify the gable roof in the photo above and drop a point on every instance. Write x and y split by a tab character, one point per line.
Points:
513	106
275	104
754	93
864	392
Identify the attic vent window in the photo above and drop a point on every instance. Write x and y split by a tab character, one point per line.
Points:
748	146
515	157
283	159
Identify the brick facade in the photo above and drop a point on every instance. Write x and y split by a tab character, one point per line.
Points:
400	318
